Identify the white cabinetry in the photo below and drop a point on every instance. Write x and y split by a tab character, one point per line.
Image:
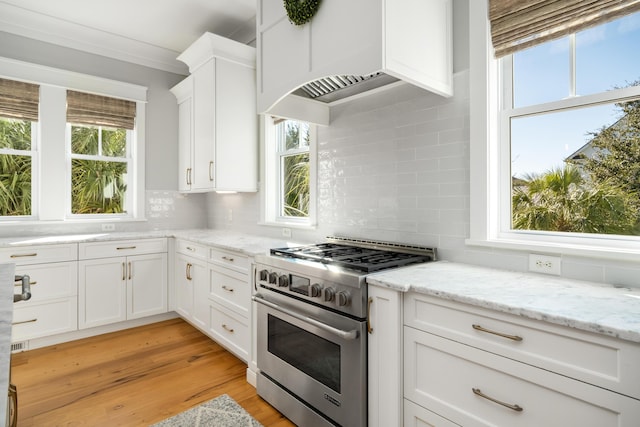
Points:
407	39
217	119
474	367
385	364
192	284
52	308
121	280
213	293
229	301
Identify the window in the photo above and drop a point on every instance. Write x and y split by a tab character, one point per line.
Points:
289	172
100	131
555	141
571	112
18	117
74	155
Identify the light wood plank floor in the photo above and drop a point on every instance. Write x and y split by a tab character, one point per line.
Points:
134	377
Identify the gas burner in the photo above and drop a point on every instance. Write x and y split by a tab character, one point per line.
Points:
359	255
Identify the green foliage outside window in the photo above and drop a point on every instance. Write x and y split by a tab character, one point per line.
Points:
296	173
599	194
98	186
15	169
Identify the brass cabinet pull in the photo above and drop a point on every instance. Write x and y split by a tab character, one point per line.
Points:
23	255
211	170
130	270
228	329
228	259
516	408
124	273
189	248
188	272
188	176
369	328
25	321
122	248
227	288
500	334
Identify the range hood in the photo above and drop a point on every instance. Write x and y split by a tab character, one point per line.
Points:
347	49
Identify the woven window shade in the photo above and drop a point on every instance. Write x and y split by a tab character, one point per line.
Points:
96	110
519	24
19	100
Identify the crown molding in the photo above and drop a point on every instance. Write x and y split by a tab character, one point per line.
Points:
57	31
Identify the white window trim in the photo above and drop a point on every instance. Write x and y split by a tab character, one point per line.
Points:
52	199
270	191
487	164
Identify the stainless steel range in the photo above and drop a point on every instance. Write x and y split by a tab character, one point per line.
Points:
311	334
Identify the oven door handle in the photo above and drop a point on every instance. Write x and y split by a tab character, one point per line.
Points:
346	335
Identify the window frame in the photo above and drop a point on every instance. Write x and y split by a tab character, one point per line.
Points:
53	197
490	197
272	182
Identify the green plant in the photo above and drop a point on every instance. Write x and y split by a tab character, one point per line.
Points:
301	11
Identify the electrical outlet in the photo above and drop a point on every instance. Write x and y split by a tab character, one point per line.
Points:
286	232
545	264
108	227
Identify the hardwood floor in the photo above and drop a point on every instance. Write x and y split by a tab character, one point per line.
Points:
134	377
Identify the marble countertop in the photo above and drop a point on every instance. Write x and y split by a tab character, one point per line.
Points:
245	243
6	317
587	306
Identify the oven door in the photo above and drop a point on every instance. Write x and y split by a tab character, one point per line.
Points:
316	355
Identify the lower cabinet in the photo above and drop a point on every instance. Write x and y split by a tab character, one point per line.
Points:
53	306
121	288
213	294
461	365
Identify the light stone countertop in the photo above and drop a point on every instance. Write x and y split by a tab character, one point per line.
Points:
6	317
587	306
244	243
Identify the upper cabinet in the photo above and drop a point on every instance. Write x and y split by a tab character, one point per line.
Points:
217	119
410	40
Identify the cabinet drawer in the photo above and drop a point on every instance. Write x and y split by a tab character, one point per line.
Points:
441	375
417	416
24	255
40	320
192	249
596	359
121	248
50	281
230	289
229	330
229	259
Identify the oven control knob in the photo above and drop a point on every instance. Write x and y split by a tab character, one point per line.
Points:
273	278
316	290
283	281
264	275
329	294
344	298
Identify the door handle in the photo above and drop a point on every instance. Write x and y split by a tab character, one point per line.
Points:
345	335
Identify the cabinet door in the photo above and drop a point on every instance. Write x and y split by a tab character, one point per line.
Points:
102	291
236	145
184	286
385	366
204	124
147	285
185	133
200	275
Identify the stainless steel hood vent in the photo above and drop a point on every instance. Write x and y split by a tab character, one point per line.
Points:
334	88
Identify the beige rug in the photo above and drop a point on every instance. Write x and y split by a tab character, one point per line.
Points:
222	411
